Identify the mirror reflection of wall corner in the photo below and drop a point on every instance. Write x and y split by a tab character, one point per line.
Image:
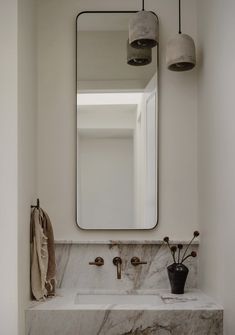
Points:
116	128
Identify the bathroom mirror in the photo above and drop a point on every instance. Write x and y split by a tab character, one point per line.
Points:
117	127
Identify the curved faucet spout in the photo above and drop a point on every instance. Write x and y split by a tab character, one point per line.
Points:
117	261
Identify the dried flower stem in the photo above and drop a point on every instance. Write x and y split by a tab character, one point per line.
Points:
173	250
183	257
193	254
169	246
180	247
179	255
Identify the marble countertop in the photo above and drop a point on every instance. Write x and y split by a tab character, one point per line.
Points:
191	300
124	242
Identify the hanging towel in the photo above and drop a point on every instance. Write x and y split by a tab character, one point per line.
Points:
43	268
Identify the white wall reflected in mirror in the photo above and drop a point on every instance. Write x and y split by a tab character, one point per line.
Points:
116	165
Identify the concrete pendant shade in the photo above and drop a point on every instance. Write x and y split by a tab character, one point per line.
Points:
138	57
143	30
180	53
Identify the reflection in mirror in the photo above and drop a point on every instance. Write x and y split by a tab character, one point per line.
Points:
116	128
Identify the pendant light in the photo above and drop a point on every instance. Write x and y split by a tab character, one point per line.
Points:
143	29
180	53
138	57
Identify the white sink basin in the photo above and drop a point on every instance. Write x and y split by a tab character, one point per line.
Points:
117	299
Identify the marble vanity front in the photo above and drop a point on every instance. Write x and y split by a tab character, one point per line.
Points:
191	314
91	300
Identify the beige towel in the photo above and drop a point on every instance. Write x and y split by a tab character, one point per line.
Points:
43	267
51	269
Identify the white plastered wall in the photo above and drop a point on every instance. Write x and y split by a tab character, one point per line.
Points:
216	154
8	168
56	122
56	119
18	157
27	137
103	161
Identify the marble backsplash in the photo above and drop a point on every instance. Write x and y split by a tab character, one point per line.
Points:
74	271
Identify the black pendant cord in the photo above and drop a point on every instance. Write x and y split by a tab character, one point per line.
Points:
179	16
142	4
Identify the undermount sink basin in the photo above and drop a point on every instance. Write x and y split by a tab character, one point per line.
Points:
117	299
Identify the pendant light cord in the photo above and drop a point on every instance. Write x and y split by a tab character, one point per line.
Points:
179	16
142	4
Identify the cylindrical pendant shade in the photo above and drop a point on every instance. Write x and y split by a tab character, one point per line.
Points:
143	30
138	57
181	53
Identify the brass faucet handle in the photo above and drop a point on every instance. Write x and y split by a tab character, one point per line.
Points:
136	261
99	261
117	260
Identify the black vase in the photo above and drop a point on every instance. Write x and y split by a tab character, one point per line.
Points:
177	274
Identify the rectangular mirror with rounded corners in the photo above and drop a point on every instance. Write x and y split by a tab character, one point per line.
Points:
117	126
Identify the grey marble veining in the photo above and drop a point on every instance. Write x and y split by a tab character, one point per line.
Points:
74	271
100	322
157	312
191	314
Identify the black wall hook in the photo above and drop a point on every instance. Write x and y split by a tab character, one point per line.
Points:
37	206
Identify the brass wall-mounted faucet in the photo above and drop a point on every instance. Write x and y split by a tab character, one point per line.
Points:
117	261
136	261
99	261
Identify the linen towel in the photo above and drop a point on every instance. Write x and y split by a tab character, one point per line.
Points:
43	268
